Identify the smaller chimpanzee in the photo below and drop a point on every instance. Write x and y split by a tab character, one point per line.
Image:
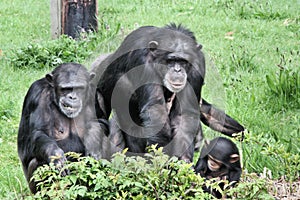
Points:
219	158
58	116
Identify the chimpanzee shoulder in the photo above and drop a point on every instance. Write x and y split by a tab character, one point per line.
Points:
33	96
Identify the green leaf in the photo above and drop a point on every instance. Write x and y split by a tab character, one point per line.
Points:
270	83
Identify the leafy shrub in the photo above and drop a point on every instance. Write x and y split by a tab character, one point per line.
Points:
64	49
267	151
49	54
284	86
157	176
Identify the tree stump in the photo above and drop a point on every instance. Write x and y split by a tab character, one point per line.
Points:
73	17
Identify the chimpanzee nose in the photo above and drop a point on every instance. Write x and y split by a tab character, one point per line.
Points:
177	68
72	96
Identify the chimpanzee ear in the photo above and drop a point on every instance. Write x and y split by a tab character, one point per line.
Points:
199	47
152	45
49	78
234	158
92	75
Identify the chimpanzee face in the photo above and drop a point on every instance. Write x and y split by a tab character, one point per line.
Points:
172	67
70	98
70	88
213	164
176	77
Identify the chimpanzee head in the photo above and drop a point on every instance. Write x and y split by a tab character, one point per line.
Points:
220	151
175	60
71	86
218	157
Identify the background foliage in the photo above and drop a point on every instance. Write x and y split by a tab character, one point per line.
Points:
253	48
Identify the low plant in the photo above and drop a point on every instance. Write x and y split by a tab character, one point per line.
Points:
268	151
155	176
257	9
284	86
251	187
49	54
55	52
242	60
290	168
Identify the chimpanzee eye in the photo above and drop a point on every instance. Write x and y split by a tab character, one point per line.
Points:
171	63
65	90
171	58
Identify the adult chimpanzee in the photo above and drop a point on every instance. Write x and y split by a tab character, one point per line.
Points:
219	158
153	83
58	116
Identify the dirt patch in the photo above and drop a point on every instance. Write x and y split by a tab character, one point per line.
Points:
282	189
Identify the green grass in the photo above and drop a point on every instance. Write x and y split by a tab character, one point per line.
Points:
263	31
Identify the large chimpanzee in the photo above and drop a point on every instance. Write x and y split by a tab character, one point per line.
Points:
58	116
153	84
219	158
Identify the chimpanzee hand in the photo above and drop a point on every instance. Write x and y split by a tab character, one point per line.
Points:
59	160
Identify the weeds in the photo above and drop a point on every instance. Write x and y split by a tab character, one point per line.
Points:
256	9
55	52
242	60
284	86
251	187
290	167
157	176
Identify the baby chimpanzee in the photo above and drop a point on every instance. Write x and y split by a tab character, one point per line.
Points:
219	158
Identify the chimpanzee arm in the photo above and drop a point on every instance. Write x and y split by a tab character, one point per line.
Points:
218	120
37	150
44	147
185	124
201	166
235	174
182	145
33	140
41	145
96	141
154	115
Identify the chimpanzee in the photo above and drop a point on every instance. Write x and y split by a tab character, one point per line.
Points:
219	158
153	84
58	116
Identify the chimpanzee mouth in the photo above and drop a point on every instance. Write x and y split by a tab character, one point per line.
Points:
177	85
70	110
174	86
213	164
69	107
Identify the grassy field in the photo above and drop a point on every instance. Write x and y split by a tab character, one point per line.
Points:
253	61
